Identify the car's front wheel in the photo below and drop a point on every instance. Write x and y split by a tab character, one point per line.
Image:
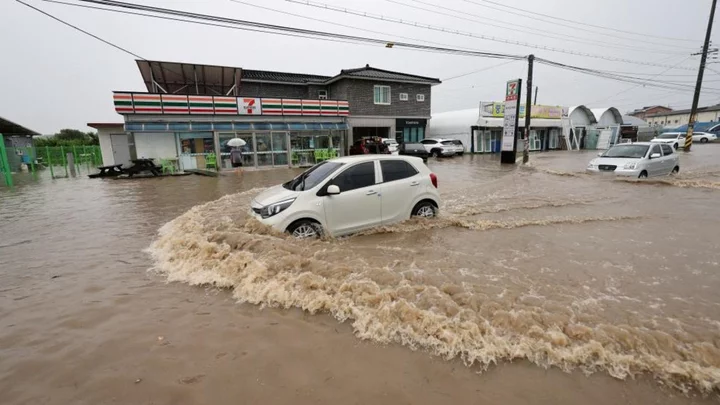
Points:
435	153
643	175
305	229
424	209
676	146
703	140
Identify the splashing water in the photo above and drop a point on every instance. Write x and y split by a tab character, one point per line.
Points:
481	318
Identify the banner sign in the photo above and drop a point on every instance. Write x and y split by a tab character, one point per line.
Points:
538	111
510	123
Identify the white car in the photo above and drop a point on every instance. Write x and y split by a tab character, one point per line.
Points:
677	139
392	145
640	159
443	147
349	194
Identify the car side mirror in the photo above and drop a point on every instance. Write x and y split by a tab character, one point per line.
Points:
600	154
654	156
333	190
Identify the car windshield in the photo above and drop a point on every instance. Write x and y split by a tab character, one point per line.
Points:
668	136
312	177
626	151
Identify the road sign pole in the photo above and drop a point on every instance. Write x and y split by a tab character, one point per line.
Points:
508	150
528	110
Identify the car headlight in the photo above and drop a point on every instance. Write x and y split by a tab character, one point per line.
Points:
630	166
276	208
592	165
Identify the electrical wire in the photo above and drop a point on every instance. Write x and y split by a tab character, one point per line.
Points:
477	71
533	31
378	17
534	16
81	30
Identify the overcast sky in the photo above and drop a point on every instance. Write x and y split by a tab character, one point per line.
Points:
54	77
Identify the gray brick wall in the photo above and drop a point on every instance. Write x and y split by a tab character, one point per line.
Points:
360	94
279	90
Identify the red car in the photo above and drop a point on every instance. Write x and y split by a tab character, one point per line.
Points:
367	146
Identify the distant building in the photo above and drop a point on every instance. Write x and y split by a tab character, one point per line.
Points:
17	138
190	112
642	113
677	118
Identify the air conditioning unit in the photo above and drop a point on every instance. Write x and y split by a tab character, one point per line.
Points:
322	94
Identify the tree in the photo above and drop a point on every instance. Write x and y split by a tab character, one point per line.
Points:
69	137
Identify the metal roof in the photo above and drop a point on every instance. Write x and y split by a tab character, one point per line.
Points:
8	127
189	78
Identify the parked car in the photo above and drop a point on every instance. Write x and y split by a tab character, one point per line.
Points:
677	139
392	145
349	194
413	149
641	160
439	147
372	146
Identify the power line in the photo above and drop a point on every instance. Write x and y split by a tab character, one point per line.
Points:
81	30
336	24
478	71
334	36
534	31
467	34
534	16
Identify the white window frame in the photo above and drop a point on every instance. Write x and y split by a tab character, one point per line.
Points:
420	98
322	94
404	97
389	95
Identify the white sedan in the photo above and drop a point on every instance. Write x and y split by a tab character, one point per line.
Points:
640	160
677	139
349	194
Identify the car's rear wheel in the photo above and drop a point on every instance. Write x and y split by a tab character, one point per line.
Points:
676	146
305	229
675	170
643	175
424	209
435	153
703	140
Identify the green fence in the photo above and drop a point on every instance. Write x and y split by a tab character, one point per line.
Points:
53	158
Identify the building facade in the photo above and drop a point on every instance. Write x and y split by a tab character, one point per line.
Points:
644	112
190	112
682	117
17	138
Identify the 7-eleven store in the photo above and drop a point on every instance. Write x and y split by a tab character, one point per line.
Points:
279	132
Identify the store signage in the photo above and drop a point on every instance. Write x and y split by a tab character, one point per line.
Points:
249	106
512	101
410	123
538	111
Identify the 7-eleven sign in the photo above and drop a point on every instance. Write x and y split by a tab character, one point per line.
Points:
249	106
511	91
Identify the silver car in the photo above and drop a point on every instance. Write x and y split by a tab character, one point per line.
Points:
640	160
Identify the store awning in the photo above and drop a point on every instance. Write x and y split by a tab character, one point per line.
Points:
232	126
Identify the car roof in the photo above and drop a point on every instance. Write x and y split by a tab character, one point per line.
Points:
371	157
636	143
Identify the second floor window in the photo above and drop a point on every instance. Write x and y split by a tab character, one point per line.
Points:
382	95
420	97
403	97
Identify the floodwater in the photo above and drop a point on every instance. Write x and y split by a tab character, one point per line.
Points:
537	284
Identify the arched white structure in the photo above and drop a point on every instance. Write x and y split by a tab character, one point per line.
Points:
607	117
581	116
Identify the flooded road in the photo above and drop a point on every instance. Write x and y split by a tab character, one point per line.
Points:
537	284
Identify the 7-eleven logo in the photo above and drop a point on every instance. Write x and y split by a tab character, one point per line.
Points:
250	106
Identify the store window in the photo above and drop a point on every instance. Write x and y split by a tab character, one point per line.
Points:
247	151
196	150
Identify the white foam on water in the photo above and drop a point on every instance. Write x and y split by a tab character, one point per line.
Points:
215	244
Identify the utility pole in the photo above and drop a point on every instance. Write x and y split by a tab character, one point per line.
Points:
698	86
536	92
528	109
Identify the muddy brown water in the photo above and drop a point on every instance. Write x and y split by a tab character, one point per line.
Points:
537	284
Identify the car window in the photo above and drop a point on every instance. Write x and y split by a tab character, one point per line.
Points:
655	149
393	170
667	150
428	141
313	176
458	143
358	176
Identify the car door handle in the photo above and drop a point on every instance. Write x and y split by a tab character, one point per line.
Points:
371	192
414	183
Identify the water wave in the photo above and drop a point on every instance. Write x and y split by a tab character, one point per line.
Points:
398	302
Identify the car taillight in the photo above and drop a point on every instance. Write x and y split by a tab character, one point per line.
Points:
433	179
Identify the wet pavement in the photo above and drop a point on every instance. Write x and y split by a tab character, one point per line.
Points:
534	277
